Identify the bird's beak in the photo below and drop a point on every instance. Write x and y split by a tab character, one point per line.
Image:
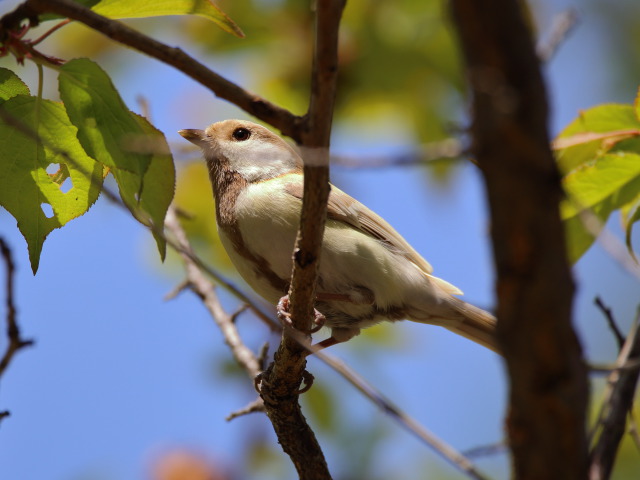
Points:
194	136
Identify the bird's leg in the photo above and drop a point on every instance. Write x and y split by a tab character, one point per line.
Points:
284	315
338	335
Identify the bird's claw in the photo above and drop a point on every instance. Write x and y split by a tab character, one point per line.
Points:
284	315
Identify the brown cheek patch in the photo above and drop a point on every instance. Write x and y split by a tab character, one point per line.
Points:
227	186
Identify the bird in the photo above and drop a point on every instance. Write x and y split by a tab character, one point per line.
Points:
367	273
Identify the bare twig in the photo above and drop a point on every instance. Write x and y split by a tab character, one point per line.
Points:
220	86
449	149
609	242
15	340
254	407
617	403
204	289
563	24
440	447
608	315
487	450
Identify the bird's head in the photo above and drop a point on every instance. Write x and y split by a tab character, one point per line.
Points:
249	149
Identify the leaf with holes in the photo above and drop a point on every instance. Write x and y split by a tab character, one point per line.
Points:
149	197
104	123
606	185
36	163
11	85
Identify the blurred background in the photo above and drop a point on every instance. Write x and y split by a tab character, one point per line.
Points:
122	384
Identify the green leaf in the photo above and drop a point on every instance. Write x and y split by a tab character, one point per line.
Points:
602	186
36	135
145	8
104	122
576	147
630	214
11	85
149	197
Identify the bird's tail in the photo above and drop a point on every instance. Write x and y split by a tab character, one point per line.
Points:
476	324
464	319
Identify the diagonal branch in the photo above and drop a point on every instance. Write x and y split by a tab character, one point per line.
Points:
121	33
202	287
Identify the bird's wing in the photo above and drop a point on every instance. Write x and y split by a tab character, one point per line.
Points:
344	208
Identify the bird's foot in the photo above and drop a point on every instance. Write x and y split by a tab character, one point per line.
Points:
284	315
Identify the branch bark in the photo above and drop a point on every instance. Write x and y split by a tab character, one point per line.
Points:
15	340
622	384
281	381
548	378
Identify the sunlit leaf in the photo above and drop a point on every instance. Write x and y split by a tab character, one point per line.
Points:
104	122
40	138
145	8
155	188
601	187
594	133
11	85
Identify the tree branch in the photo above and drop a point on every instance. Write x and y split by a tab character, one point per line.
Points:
281	381
548	378
202	287
616	407
16	342
220	86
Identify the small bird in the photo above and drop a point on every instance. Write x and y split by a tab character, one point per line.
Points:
367	272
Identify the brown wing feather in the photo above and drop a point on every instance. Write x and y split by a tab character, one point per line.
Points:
344	208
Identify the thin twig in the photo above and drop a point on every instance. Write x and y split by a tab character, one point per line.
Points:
616	405
608	315
609	242
53	29
449	149
563	23
487	450
255	406
440	447
205	290
16	342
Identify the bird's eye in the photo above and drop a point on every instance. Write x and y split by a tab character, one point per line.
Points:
241	134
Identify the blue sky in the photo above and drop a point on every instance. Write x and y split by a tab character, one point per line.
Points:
118	375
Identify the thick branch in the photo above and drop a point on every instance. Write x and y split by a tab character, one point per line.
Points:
283	377
548	381
220	86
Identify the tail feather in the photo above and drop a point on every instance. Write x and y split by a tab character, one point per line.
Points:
476	324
